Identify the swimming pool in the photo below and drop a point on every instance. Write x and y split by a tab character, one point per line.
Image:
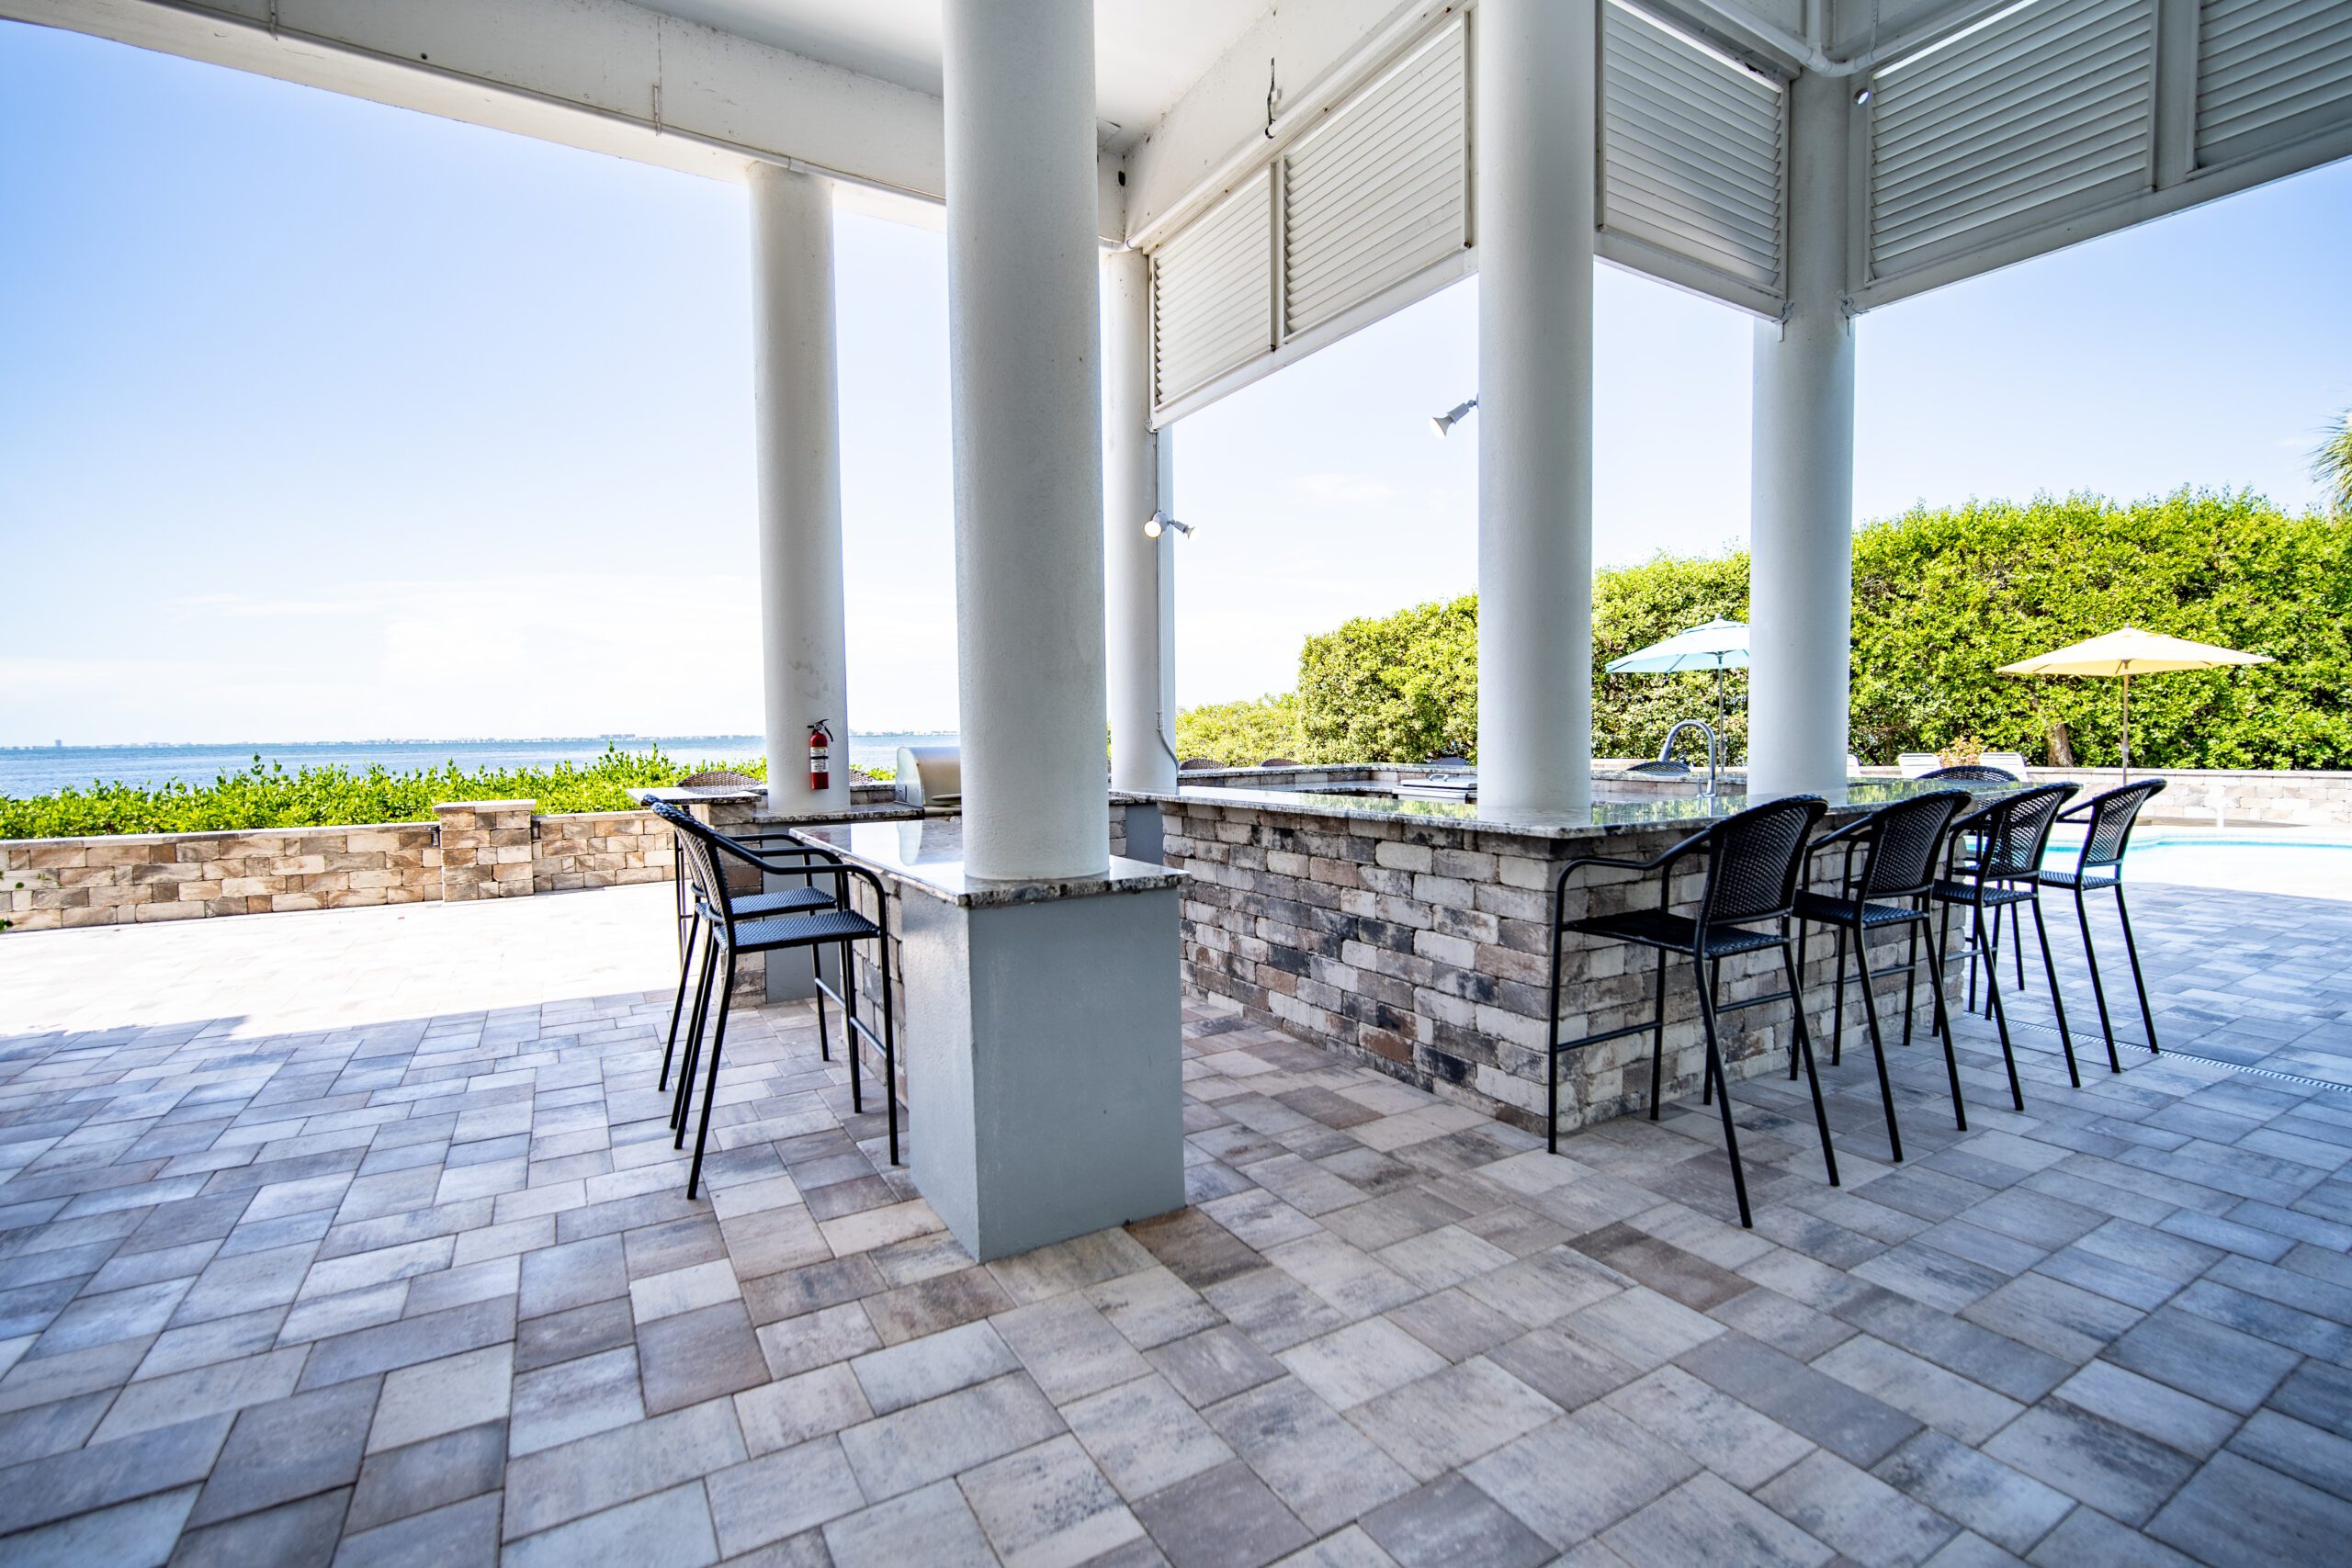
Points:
2300	862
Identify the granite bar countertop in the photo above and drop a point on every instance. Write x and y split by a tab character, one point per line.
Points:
1664	808
927	854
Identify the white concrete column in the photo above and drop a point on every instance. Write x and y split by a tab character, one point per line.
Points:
804	657
1536	75
1025	373
1800	569
1139	572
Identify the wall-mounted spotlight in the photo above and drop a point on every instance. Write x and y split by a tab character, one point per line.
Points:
1158	523
1863	97
1451	417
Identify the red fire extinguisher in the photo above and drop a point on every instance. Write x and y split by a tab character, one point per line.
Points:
820	754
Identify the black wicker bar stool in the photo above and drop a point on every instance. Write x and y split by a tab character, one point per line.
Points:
1753	860
2105	834
1993	862
692	923
1899	848
733	932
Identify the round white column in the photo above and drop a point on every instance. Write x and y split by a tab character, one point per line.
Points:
1536	75
1024	357
1140	576
1800	569
803	646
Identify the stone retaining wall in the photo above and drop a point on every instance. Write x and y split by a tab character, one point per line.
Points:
475	850
47	884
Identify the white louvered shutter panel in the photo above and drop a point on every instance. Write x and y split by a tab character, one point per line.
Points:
2270	73
1691	149
2040	116
1380	192
1212	293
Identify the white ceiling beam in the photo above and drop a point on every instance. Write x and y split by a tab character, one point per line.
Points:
606	76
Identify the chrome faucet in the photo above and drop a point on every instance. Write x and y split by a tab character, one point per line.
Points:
1714	745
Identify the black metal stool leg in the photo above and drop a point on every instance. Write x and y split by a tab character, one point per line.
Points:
2138	982
1714	1071
710	1089
2099	990
1551	1054
2017	944
1943	957
1911	985
889	1044
849	1033
2000	1013
685	968
1658	1032
1941	1021
1837	1006
824	1039
1792	1041
701	1015
1812	1077
2057	1003
1878	1042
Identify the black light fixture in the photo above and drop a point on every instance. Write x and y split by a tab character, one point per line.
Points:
1443	423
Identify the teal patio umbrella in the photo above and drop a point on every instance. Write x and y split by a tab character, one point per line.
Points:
1718	645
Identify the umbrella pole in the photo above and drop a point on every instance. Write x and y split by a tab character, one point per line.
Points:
2127	726
1719	694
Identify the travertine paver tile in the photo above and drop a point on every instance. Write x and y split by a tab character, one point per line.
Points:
796	1410
1742	1446
1325	1471
781	1494
1620	1468
1144	1436
289	1449
447	1396
1214	1364
1224	1517
2116	1471
1450	1521
574	1399
299	1532
696	1356
1450	1418
1855	1512
942	1437
430	1476
579	1478
916	1370
2004	1505
1706	1519
1351	1365
671	1528
1049	1507
936	1516
461	1535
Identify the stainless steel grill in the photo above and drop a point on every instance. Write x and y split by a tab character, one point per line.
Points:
930	777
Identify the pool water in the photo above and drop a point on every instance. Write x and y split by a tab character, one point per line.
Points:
2303	863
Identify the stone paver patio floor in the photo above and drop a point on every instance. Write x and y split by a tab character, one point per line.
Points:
358	1238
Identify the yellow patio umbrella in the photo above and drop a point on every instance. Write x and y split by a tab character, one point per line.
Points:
2128	652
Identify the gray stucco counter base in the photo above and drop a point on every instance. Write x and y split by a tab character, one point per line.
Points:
1043	1059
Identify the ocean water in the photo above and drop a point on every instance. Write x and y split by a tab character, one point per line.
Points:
42	770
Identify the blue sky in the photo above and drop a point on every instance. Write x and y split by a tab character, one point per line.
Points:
323	419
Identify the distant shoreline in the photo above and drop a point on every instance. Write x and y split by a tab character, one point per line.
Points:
30	771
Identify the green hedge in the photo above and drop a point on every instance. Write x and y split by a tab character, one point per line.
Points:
1941	599
267	795
1241	735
